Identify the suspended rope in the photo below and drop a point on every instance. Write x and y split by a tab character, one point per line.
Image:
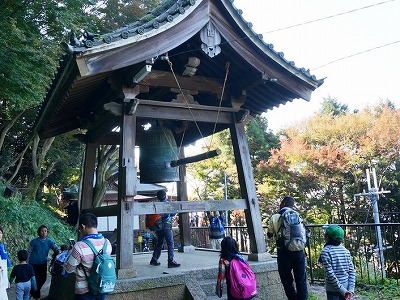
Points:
227	65
208	154
183	95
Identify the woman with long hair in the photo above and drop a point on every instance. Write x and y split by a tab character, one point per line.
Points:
230	251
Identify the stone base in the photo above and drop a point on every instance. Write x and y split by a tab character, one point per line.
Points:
186	249
260	256
126	273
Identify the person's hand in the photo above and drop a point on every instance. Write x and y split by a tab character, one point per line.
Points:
218	289
348	295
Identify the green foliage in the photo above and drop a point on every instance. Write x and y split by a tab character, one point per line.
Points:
68	152
330	106
311	296
20	220
386	290
30	36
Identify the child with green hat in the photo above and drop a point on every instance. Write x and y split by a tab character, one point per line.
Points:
340	276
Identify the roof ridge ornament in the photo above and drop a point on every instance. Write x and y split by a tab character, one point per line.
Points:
211	39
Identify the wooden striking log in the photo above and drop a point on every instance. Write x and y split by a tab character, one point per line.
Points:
188	160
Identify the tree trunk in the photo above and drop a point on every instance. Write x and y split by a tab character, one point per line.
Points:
37	165
105	162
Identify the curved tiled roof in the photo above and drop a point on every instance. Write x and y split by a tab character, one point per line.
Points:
82	81
166	13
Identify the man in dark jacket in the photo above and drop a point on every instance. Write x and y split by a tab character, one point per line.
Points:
165	233
290	263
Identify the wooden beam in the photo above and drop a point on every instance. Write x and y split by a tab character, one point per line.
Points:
183	112
126	190
248	189
197	83
86	196
144	208
184	220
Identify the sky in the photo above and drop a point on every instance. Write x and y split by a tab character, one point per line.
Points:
355	45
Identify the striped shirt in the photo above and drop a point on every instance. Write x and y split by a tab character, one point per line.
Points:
81	253
340	275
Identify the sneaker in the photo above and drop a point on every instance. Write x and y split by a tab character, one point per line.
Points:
173	264
153	262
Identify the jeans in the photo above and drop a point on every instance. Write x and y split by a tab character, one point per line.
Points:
334	296
216	243
164	233
22	290
288	262
87	296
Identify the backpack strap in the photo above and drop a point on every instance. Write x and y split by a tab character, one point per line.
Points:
91	246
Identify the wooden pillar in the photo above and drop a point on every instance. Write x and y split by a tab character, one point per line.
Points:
248	191
86	194
184	222
126	192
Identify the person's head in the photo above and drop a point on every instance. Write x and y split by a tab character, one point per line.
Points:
43	231
22	255
1	233
287	201
161	195
88	223
334	234
228	247
216	213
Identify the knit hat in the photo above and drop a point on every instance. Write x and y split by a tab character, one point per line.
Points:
335	232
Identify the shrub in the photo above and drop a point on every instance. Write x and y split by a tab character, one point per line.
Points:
20	220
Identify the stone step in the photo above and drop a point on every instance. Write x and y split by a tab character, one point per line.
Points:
215	297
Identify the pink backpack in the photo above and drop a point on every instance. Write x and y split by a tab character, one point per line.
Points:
243	284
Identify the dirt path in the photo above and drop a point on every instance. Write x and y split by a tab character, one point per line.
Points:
319	291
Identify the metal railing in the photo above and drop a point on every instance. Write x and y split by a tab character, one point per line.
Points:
360	240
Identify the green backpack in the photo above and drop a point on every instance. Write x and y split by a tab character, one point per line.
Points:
102	276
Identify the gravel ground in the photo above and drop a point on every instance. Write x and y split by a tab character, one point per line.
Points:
319	291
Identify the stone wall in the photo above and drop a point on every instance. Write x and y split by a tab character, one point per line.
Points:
196	285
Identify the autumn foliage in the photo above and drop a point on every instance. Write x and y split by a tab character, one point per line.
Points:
322	162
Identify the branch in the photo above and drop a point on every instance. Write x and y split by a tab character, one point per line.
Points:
45	148
6	126
35	145
21	157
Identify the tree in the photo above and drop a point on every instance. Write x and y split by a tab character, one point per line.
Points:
330	106
322	161
30	35
106	173
208	175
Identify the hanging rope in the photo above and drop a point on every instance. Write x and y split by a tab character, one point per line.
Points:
209	154
187	103
227	65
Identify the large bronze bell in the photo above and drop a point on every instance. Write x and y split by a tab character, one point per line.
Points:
156	151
